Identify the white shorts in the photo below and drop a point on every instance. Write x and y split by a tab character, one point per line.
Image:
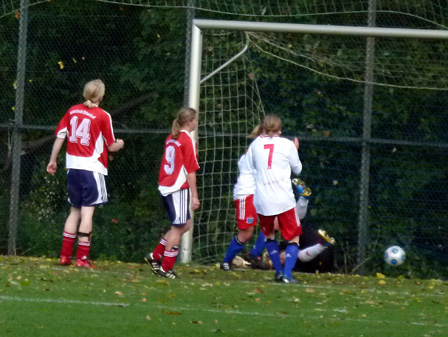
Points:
178	207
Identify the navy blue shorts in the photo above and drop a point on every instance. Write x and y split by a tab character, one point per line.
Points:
177	205
86	188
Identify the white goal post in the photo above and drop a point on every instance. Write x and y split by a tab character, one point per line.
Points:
199	25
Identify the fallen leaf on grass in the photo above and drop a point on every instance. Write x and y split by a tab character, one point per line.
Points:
379	275
196	322
25	283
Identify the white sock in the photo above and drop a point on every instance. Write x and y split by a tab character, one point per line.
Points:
310	253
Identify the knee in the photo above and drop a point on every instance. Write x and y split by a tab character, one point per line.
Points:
187	227
245	235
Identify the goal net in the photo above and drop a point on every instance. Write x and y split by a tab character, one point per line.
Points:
370	114
230	107
323	87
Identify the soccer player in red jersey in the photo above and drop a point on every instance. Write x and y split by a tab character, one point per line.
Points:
90	136
177	178
273	159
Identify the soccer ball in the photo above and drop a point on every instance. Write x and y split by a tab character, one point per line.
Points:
394	255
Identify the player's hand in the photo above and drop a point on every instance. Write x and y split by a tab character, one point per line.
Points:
120	143
52	167
195	204
296	143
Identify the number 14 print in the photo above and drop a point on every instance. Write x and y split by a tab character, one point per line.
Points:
81	132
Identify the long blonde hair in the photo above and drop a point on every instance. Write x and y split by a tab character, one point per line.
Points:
184	116
93	93
270	125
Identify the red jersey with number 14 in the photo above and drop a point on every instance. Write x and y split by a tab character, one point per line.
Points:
179	159
89	131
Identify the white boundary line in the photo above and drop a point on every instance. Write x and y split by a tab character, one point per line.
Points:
230	312
58	301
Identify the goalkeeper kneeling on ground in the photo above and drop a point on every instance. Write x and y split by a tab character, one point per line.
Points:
316	252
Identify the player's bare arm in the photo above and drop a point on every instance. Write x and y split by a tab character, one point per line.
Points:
296	143
191	179
116	146
52	165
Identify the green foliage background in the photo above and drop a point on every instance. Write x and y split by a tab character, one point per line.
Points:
140	54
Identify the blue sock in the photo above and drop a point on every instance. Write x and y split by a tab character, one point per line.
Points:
291	253
272	248
234	248
259	246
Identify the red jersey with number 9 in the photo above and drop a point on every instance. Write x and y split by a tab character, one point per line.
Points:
179	159
89	131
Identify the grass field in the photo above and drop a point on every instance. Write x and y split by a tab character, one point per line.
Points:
40	298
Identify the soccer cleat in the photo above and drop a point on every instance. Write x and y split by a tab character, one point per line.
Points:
65	261
166	274
301	188
267	260
279	276
328	240
153	263
84	263
257	263
291	279
226	266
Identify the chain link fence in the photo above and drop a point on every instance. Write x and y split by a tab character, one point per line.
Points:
66	46
49	51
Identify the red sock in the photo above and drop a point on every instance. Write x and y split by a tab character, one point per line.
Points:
159	250
83	250
68	241
169	258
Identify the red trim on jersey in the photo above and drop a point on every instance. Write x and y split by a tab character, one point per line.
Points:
89	131
179	159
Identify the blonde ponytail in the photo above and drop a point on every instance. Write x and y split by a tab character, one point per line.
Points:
93	93
271	125
184	116
175	129
256	132
89	104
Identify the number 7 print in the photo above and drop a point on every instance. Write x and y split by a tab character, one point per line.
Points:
269	147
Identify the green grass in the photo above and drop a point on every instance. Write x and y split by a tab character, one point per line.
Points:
40	298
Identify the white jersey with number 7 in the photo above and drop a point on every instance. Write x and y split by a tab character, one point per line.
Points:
273	159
